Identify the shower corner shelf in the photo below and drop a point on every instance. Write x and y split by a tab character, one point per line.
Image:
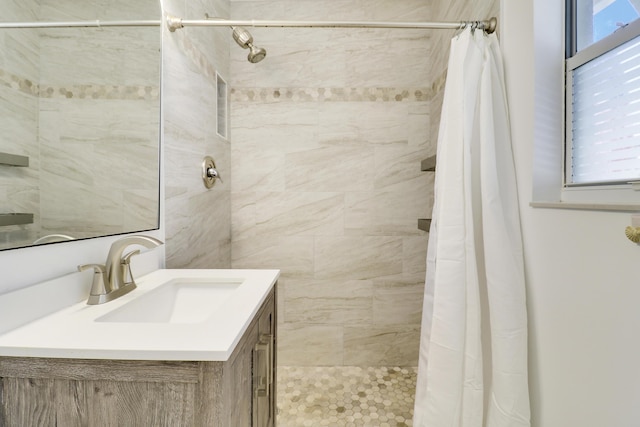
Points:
428	164
15	219
13	160
424	224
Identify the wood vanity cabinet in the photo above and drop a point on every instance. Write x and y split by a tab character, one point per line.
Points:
79	392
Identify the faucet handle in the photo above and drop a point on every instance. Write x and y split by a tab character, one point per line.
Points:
127	258
127	277
98	284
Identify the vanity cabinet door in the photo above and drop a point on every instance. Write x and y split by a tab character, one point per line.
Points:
264	368
249	375
238	382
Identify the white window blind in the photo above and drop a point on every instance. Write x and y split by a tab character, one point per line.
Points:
605	118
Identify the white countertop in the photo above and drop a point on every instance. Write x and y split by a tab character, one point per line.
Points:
73	332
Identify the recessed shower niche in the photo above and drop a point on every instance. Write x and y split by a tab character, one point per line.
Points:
222	115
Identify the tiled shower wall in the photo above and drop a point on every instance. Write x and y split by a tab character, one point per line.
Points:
197	220
327	137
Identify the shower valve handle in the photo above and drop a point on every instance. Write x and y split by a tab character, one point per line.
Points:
209	172
213	173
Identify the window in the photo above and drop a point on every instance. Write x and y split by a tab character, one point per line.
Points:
603	93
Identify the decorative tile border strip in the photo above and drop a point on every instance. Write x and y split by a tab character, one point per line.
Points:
101	92
360	94
438	84
28	87
14	82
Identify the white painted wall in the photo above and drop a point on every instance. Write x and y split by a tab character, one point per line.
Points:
583	289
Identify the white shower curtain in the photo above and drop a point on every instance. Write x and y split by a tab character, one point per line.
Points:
473	349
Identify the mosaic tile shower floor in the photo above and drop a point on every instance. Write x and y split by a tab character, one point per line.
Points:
345	396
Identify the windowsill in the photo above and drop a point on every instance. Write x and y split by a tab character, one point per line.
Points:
587	206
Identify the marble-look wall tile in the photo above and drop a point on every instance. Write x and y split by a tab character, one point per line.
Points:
345	167
257	166
95	150
81	209
329	302
213	42
293	255
70	55
373	123
73	56
302	214
19	52
263	135
381	345
72	10
419	126
414	249
328	133
243	218
341	258
204	239
310	345
197	220
398	301
140	209
273	125
21	9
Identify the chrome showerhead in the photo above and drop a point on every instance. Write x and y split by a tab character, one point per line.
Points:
245	41
256	54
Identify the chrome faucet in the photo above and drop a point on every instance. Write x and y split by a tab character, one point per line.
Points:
114	279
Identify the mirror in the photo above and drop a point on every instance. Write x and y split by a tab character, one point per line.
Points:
81	107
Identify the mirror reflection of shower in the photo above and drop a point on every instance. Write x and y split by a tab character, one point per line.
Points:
245	41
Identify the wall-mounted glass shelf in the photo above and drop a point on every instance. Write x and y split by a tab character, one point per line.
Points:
424	224
428	164
15	219
13	160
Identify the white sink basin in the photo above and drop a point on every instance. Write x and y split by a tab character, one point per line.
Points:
171	315
177	301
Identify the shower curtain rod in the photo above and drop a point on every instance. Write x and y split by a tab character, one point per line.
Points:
87	24
174	23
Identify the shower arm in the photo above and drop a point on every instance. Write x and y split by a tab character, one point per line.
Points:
174	23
